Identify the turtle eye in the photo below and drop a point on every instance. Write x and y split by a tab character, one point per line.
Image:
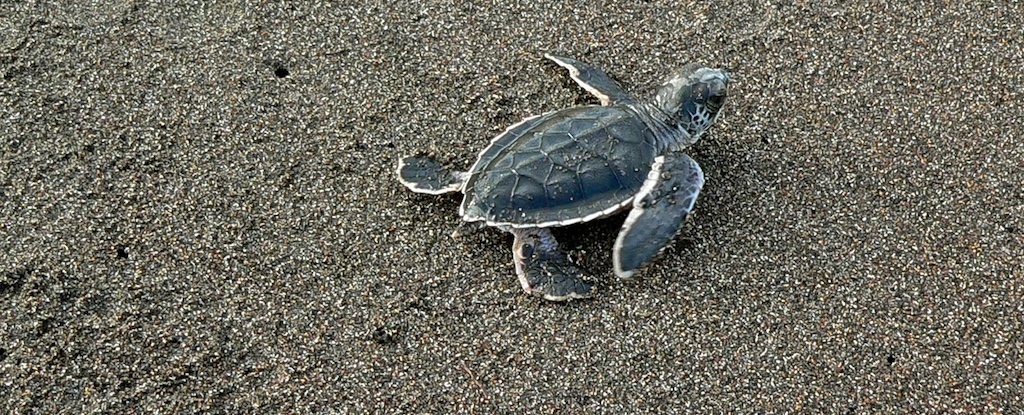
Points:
715	102
526	250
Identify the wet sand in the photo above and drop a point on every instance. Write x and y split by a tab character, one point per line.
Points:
198	211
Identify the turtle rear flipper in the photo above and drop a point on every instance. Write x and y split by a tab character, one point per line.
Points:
426	175
544	270
665	199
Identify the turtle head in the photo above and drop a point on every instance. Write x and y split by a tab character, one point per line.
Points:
692	98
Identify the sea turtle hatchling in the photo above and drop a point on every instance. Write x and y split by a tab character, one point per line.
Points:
583	163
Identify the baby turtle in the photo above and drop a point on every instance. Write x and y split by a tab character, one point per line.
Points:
583	163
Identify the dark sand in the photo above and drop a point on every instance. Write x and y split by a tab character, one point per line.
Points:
186	228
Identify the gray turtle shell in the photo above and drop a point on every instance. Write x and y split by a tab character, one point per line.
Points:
560	168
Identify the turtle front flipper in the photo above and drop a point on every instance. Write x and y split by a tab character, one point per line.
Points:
659	208
426	175
593	80
544	270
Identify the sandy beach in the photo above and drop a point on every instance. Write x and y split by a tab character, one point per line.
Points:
199	213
